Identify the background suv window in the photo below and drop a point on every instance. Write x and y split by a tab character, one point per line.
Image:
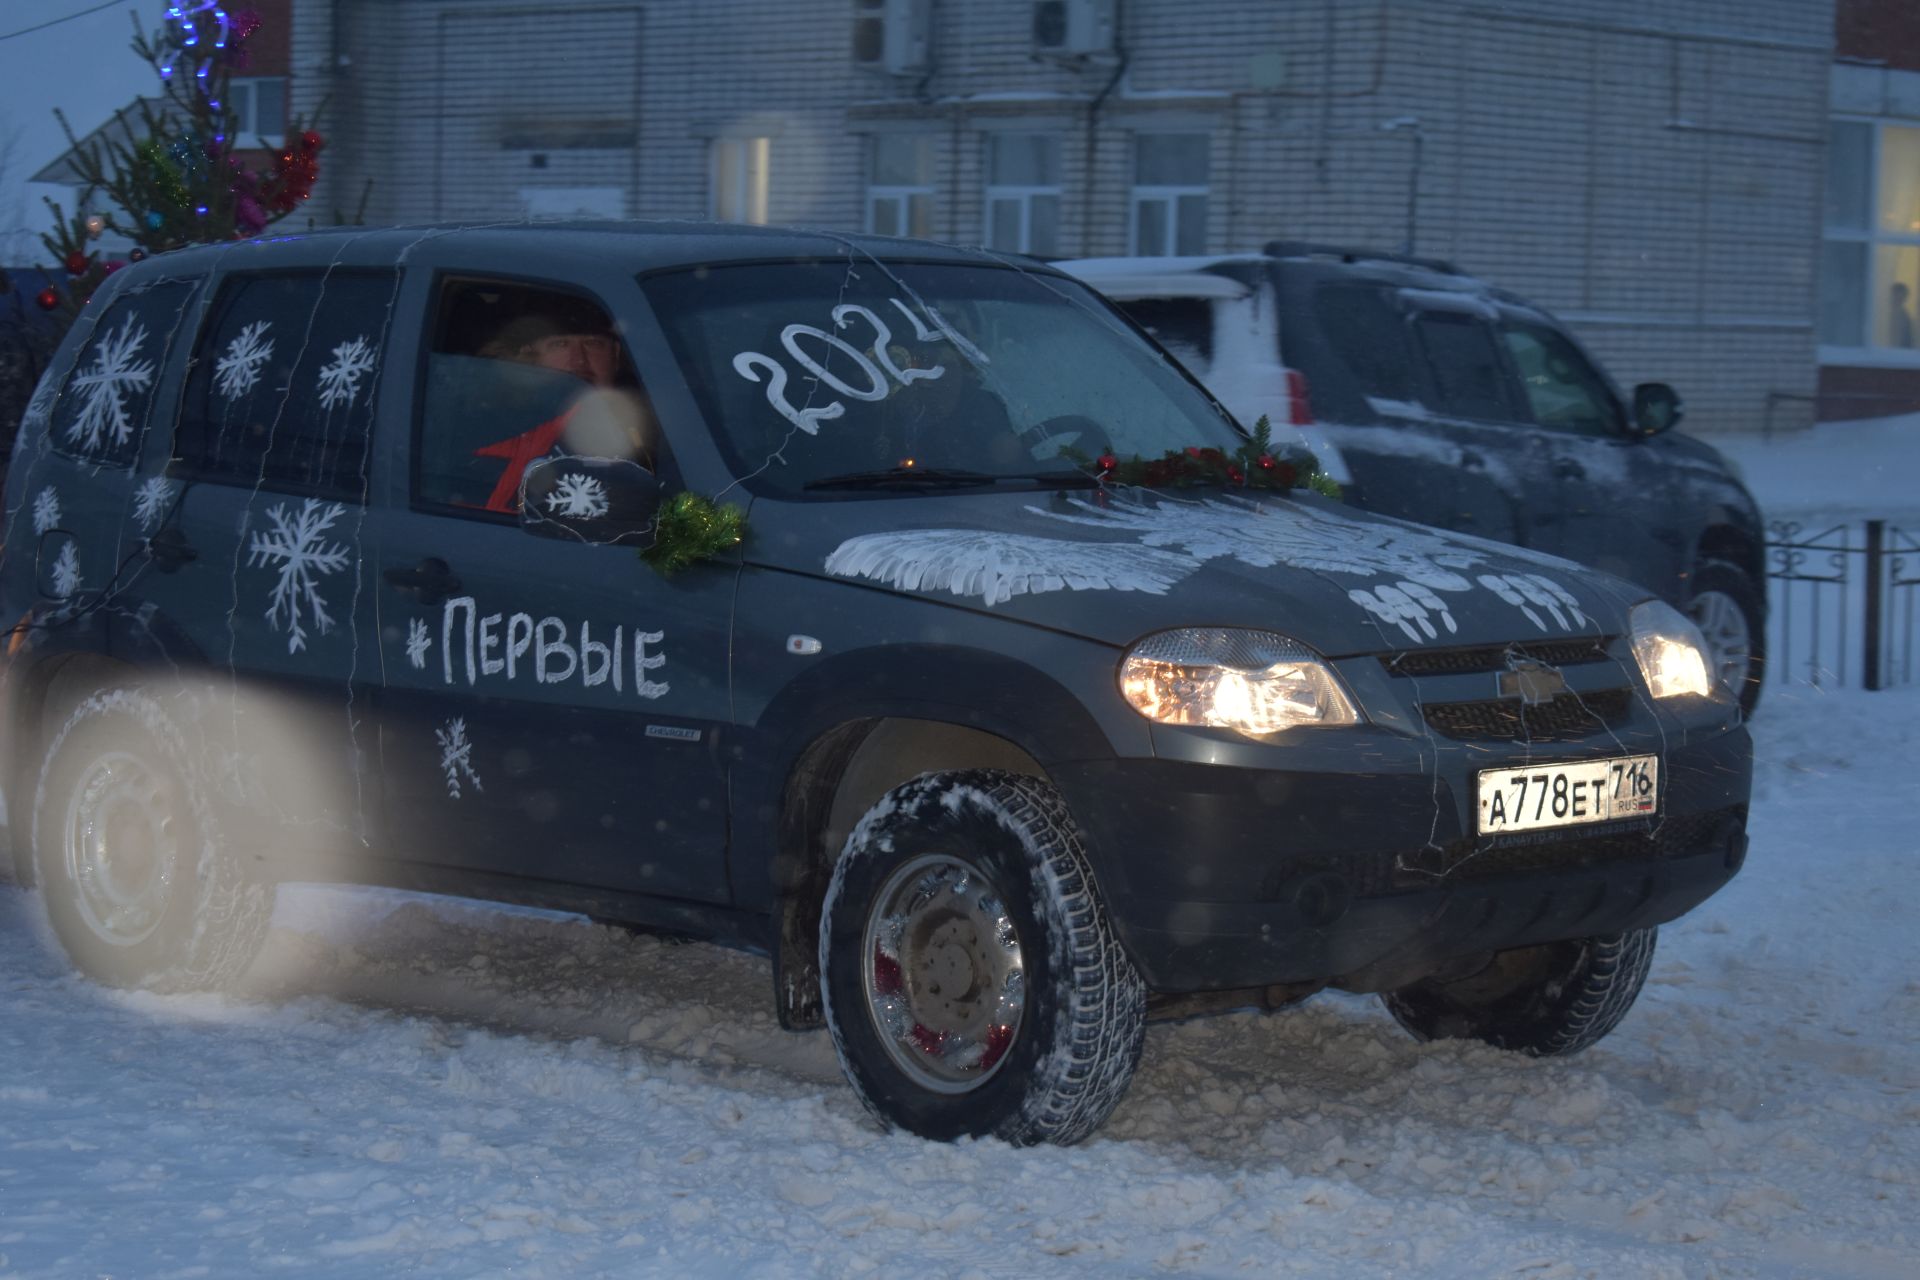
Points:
1368	336
282	384
1464	367
1564	391
102	412
1183	326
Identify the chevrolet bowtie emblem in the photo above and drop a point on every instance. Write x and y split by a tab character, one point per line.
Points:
1532	682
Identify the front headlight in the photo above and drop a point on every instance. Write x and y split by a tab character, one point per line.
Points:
1254	682
1671	652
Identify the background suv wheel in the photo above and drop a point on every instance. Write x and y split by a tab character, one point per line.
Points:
1727	608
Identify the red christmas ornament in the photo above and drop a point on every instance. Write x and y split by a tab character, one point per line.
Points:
1108	462
76	263
1267	463
311	141
1236	475
47	298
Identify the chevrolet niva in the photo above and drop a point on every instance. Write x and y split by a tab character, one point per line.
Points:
1007	693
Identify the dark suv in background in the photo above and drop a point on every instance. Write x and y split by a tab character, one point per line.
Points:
1435	397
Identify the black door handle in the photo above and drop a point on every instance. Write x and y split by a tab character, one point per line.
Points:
431	581
170	550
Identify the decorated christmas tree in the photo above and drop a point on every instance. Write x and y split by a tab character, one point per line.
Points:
169	175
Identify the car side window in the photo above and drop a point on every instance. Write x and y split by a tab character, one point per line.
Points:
1367	335
101	414
283	380
1564	391
1183	326
516	373
1464	367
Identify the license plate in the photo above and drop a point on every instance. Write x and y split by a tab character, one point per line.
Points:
1566	795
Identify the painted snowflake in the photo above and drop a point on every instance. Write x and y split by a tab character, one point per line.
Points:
340	380
418	643
579	497
297	548
151	501
105	385
66	572
456	756
239	366
46	510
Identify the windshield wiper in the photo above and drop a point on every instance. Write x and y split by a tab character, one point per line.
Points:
944	478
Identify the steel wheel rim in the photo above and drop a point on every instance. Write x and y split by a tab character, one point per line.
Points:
943	973
121	847
1723	625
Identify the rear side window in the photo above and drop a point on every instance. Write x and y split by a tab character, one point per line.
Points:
1183	326
1469	380
1368	337
101	415
282	386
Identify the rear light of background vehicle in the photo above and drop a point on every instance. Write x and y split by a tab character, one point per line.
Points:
1299	404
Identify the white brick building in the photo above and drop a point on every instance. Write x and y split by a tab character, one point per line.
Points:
1651	170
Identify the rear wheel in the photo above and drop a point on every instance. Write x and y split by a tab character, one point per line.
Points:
1727	608
127	852
974	986
1545	1001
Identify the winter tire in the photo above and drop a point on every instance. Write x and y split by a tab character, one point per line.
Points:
1546	1001
973	984
127	849
1730	613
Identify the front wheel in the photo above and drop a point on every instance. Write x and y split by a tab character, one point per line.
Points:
1728	609
973	983
1546	1001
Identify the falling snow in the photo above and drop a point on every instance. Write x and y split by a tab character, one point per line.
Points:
296	548
418	642
578	497
340	380
46	510
151	500
456	756
105	385
239	367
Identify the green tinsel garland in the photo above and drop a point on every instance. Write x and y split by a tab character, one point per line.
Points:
689	529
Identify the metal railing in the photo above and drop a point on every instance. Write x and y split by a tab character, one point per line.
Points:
1842	604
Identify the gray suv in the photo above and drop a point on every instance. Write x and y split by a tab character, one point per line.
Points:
341	557
1436	397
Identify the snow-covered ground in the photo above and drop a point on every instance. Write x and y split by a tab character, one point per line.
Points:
416	1087
1864	469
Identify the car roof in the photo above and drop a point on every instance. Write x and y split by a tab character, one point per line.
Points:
562	246
1430	283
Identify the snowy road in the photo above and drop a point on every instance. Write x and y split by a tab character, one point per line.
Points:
445	1089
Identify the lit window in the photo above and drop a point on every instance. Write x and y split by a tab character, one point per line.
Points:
1023	192
739	179
1870	261
1169	194
900	185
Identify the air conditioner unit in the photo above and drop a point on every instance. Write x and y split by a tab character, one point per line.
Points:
895	36
1074	28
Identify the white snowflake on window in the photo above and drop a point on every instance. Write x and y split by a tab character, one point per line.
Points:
46	510
340	380
151	500
104	386
66	572
418	642
239	367
578	497
456	756
295	546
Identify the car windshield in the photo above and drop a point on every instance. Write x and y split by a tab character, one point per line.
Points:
835	375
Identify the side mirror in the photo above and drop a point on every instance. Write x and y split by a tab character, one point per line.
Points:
598	500
1656	408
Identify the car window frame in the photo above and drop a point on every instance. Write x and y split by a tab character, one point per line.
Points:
215	284
171	359
1612	430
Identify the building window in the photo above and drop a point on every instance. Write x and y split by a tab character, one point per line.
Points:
1169	194
1870	264
739	179
900	185
259	107
1023	192
869	32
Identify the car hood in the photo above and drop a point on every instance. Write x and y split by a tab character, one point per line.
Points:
1115	566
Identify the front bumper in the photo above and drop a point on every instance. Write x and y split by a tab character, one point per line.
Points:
1221	876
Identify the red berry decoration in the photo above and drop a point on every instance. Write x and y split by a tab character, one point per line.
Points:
311	141
1267	463
47	298
1108	462
76	262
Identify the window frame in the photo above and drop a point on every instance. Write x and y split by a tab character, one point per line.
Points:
902	192
1168	195
1873	239
252	139
210	315
753	160
1022	193
1615	425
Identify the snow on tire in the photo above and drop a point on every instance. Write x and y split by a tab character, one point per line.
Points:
139	886
1546	1001
973	985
